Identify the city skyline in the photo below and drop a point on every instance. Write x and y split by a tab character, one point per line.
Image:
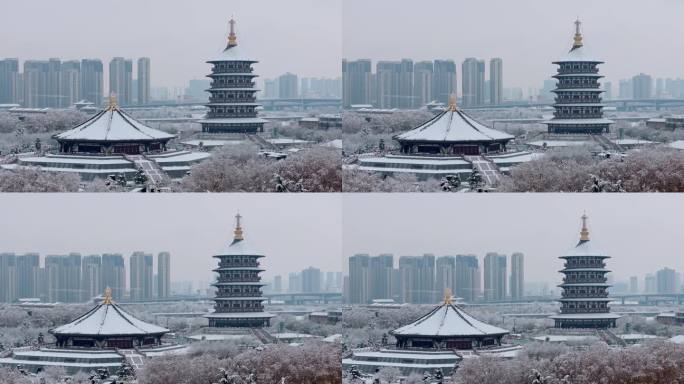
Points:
74	34
528	36
293	238
552	225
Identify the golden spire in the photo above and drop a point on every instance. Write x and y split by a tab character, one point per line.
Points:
578	34
232	38
448	297
452	103
584	233
237	233
107	300
113	104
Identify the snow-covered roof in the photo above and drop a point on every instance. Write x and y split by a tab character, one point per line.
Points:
238	248
453	125
113	124
233	53
240	315
108	319
679	339
585	248
236	120
586	316
679	144
578	121
579	54
448	320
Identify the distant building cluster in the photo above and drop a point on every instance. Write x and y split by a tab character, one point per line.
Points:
290	86
424	279
404	84
664	280
55	83
309	280
644	86
75	278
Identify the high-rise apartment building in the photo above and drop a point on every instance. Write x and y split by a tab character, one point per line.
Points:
8	277
121	80
473	82
359	279
445	274
114	274
288	86
422	83
91	274
494	277
141	276
70	83
666	281
28	275
444	80
356	82
517	281
642	85
311	280
163	275
144	83
10	84
418	279
467	276
63	278
495	81
92	79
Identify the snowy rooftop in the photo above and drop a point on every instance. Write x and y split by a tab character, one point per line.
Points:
448	320
234	53
585	248
236	120
587	316
239	315
238	248
579	54
679	144
113	124
556	143
578	121
633	142
679	339
212	142
108	319
453	125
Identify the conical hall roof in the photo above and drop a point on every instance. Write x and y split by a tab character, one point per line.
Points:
108	319
113	124
453	125
448	320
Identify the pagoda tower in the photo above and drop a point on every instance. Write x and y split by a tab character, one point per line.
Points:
584	300
232	101
239	301
578	104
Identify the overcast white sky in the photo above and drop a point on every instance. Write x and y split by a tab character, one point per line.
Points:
298	36
642	232
632	36
294	231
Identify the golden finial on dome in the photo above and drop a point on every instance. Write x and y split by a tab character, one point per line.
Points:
107	300
232	38
452	103
578	34
237	233
584	233
448	297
